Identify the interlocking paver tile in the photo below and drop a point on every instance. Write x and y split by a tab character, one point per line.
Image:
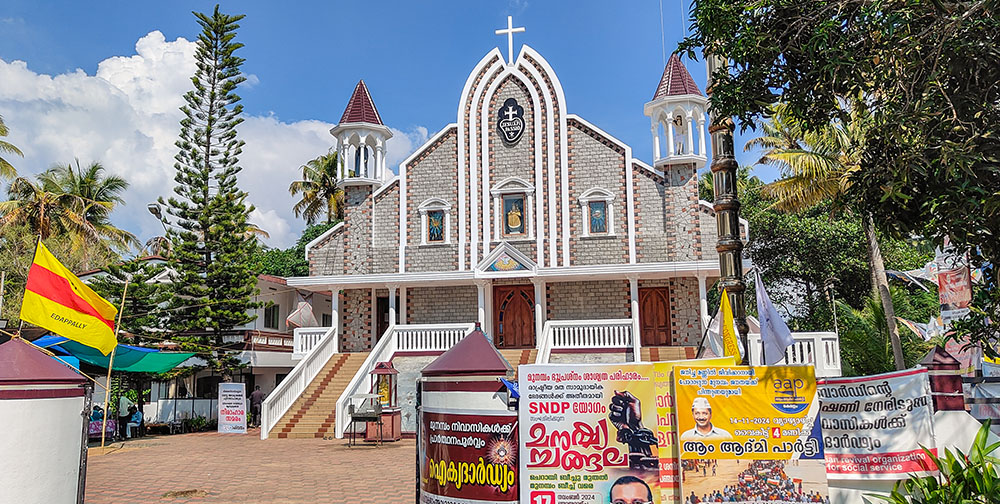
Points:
243	469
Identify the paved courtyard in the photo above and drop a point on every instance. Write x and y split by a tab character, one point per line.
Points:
215	468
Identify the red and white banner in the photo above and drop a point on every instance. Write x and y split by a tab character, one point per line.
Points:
955	293
874	426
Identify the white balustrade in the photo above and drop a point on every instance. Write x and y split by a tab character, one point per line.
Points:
819	349
583	334
284	395
397	338
305	338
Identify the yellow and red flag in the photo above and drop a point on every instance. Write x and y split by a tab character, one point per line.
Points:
730	342
55	299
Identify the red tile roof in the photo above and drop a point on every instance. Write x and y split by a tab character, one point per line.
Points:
361	108
676	80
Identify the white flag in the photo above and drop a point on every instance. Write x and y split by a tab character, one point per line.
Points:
774	333
714	336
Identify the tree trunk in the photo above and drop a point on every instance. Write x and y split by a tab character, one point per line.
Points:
881	286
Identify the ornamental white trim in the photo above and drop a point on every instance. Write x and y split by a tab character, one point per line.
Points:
513	185
592	195
430	205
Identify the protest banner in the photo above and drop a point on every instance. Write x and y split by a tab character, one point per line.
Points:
587	435
954	293
666	427
232	408
468	457
874	426
749	434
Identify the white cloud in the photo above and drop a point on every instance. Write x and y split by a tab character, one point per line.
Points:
127	117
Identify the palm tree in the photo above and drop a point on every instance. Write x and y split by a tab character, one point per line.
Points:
320	190
6	169
98	195
44	212
818	165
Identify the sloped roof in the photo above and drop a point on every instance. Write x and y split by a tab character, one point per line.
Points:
21	363
473	355
676	80
361	108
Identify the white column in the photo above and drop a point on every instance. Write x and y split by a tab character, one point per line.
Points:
335	309
701	136
670	137
379	158
690	138
656	141
633	291
539	308
392	304
703	304
481	297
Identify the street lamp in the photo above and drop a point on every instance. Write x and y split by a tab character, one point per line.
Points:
154	208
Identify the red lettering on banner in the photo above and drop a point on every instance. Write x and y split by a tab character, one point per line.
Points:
881	463
563	448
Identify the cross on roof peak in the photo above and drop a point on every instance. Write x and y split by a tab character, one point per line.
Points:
509	32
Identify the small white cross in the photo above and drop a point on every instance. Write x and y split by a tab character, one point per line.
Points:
510	113
509	32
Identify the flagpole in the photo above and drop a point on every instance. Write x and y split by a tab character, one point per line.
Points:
111	362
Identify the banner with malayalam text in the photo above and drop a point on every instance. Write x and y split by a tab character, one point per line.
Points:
749	434
468	457
232	408
873	426
588	434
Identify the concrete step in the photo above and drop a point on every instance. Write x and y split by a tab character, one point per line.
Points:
312	415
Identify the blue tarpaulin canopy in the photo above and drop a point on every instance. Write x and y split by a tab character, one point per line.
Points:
127	357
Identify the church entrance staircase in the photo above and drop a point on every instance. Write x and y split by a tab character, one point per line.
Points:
313	414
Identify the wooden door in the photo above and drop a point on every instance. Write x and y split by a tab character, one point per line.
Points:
381	316
654	316
514	316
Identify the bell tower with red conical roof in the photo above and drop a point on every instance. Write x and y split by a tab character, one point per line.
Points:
677	116
361	141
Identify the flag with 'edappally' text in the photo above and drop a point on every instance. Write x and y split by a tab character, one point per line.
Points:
55	299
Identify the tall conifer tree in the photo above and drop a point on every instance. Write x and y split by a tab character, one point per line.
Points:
212	246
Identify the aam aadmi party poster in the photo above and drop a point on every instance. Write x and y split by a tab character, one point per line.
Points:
232	408
749	434
873	426
468	458
588	434
666	427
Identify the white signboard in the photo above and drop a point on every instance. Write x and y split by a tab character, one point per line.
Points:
232	408
874	426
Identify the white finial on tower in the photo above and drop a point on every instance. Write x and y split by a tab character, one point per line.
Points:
509	32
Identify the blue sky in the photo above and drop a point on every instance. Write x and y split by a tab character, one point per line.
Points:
98	83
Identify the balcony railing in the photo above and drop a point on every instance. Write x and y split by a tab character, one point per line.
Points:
584	334
305	338
819	349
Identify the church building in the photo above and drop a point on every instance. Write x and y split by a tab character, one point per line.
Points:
522	213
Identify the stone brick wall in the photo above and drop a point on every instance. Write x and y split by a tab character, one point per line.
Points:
442	305
513	161
327	257
386	251
596	162
597	299
356	309
685	327
432	175
357	230
668	217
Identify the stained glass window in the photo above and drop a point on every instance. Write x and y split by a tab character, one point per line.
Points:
598	217
435	226
514	214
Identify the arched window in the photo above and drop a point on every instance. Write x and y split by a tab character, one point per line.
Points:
435	222
598	212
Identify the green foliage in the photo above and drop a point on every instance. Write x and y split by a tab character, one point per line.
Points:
213	243
6	169
142	313
965	478
291	261
865	347
321	193
926	72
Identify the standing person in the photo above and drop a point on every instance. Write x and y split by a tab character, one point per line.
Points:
124	403
256	400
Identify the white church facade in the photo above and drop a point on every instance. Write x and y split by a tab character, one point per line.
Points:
521	213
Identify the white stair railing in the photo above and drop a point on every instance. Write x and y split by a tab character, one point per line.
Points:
818	349
583	334
397	338
284	395
305	338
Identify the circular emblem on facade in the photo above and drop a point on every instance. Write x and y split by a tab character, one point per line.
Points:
510	121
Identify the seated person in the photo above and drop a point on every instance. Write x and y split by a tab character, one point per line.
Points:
135	420
96	414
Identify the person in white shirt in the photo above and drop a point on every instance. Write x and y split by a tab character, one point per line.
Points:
701	411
